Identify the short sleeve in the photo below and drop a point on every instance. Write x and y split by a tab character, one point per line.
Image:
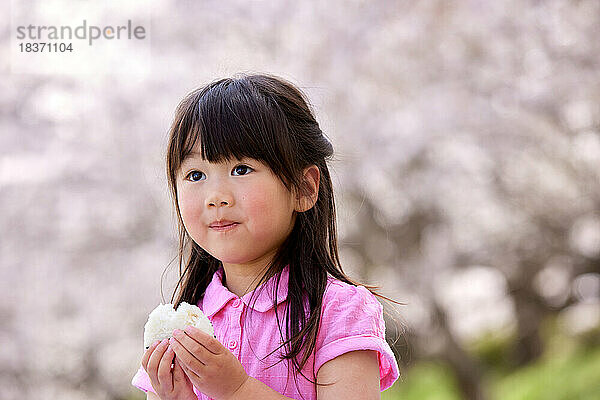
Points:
352	319
141	380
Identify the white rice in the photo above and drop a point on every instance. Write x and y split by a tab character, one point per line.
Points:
164	319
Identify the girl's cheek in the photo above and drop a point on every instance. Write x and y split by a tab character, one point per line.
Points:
191	213
257	205
189	202
184	209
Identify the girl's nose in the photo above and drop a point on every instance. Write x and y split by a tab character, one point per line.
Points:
218	194
219	199
223	203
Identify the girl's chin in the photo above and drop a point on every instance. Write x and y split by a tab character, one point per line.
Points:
226	258
232	254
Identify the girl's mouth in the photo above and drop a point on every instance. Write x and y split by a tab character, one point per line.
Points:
224	228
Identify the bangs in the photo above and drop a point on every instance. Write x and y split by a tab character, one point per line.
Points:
232	120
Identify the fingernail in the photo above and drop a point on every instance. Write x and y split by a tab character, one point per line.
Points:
189	329
156	342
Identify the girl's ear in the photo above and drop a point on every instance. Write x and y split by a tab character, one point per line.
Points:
309	194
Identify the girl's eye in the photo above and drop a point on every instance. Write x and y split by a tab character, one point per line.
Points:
242	168
197	174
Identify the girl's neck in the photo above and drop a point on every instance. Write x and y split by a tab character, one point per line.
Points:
241	279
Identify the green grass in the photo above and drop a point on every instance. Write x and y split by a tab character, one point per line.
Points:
576	377
560	376
568	370
425	380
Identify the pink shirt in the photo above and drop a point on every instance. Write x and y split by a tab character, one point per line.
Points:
352	319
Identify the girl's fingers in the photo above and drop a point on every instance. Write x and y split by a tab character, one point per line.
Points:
154	361
192	357
164	369
189	372
179	377
148	353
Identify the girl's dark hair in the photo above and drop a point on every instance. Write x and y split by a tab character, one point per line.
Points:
266	118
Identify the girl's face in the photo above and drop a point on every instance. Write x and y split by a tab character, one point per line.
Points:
245	192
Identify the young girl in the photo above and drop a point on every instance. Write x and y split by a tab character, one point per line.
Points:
246	165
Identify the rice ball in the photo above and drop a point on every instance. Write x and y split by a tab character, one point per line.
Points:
163	320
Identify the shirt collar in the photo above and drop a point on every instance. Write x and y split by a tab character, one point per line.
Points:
217	295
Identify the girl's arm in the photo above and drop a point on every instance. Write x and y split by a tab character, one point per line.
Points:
255	389
355	375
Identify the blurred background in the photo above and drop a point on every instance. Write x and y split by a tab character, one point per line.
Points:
467	138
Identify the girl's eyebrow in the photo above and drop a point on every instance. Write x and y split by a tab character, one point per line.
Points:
192	154
195	154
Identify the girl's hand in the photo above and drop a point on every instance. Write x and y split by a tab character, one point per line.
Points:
168	384
211	368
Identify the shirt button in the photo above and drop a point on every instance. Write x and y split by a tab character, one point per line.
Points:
232	344
237	303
